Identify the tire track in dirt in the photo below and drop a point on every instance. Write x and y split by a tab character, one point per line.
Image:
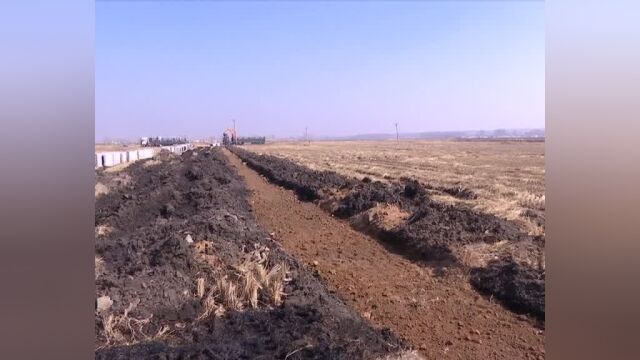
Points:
443	317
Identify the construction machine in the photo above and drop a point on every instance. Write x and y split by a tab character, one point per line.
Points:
229	137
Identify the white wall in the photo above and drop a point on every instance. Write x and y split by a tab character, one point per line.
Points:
132	155
111	158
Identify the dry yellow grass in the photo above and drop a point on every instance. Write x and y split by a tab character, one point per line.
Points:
244	287
122	329
507	176
115	147
276	278
101	189
254	275
211	307
99	266
229	295
200	287
404	355
102	231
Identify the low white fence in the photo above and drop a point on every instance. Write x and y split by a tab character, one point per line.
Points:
111	158
178	149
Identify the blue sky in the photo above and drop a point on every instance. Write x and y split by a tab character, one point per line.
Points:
340	68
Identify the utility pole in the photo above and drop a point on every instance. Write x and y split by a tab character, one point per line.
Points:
397	137
306	136
235	135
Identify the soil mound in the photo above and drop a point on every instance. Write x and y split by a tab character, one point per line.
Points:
308	184
364	196
459	192
432	227
519	287
174	273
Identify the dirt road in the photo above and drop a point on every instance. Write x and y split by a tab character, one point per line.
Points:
438	314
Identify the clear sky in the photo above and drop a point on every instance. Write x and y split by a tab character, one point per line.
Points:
189	67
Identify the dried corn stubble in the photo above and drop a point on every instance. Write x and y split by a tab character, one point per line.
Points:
124	329
228	293
99	266
253	276
252	282
211	308
275	283
200	288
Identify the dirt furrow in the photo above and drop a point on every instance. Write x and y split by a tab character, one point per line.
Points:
437	313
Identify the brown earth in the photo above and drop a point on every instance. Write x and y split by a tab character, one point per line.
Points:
432	309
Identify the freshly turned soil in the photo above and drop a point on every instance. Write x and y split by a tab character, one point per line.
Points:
146	260
432	231
433	310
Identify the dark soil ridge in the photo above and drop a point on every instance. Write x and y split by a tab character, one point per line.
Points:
146	258
431	232
520	286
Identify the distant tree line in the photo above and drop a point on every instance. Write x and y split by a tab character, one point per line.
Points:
162	141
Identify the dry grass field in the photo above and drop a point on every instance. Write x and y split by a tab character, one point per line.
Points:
507	176
116	147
